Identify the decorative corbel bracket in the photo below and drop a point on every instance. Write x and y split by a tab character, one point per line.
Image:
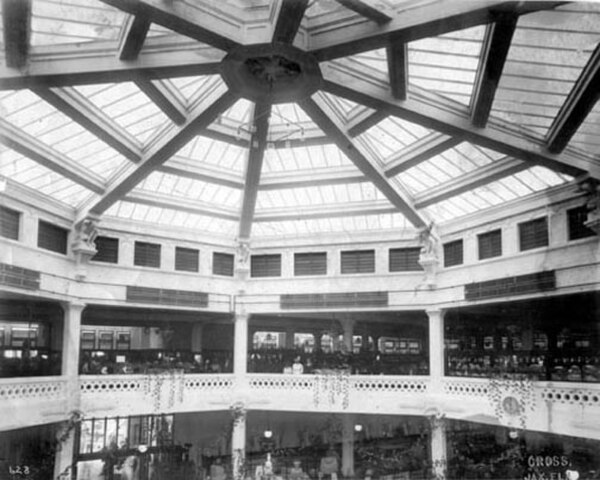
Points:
83	247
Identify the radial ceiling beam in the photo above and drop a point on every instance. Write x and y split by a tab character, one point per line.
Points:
86	64
338	210
289	19
133	37
577	106
364	120
32	148
321	113
181	204
197	170
256	153
77	107
216	100
165	98
397	60
433	112
16	23
311	178
427	20
497	170
419	152
367	9
496	44
201	24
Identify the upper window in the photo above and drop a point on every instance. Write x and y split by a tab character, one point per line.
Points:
147	255
107	250
490	244
576	218
312	263
453	253
265	265
186	259
533	234
223	264
404	259
9	223
52	237
358	261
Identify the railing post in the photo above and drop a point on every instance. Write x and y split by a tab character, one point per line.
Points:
436	349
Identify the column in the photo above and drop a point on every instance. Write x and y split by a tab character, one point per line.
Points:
348	326
64	459
348	446
436	348
197	331
238	443
318	335
289	338
439	461
240	346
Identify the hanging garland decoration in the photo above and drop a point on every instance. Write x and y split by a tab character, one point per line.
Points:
329	387
511	399
153	387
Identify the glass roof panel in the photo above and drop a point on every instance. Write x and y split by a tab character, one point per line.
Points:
190	189
215	152
128	107
447	64
515	186
351	225
300	158
171	218
546	56
20	169
73	21
586	138
393	134
190	88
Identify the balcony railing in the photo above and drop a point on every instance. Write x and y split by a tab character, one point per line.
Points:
571	409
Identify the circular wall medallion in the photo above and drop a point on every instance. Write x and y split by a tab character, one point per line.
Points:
511	405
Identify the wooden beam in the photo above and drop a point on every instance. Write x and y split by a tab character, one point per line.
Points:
364	120
92	63
204	172
183	18
367	9
16	23
311	178
165	98
325	117
216	101
494	52
419	152
77	107
348	209
577	106
181	204
477	178
289	19
133	37
256	153
32	148
437	113
397	60
427	20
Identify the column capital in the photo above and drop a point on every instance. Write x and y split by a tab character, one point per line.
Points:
436	312
73	305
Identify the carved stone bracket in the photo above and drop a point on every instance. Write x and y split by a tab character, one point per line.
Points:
84	248
591	187
242	268
428	257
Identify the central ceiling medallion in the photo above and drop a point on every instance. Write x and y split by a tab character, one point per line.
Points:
275	73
